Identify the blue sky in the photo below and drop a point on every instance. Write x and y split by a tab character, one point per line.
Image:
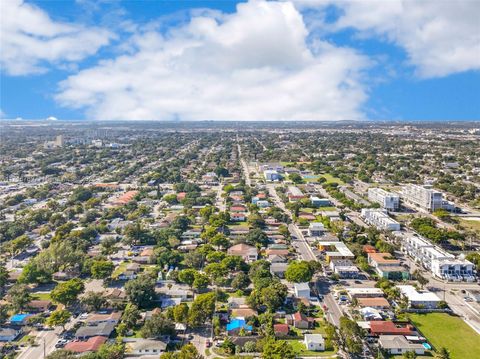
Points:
201	60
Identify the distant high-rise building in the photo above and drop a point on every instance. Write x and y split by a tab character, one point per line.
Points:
388	200
59	141
424	197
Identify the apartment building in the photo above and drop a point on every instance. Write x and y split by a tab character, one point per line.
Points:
424	197
388	200
439	262
380	219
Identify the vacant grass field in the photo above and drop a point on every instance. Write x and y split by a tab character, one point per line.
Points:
331	179
471	224
41	296
444	330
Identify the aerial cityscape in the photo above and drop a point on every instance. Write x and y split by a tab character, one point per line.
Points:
239	179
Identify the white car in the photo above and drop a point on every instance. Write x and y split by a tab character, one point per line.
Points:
83	316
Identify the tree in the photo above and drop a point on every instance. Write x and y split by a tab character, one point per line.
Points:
180	313
3	276
93	301
202	309
295	178
131	315
241	281
299	272
141	291
201	281
442	353
187	276
279	349
257	236
67	292
194	259
19	296
18	245
58	317
188	351
102	269
220	241
157	326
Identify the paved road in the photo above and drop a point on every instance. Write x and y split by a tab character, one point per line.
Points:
246	173
48	338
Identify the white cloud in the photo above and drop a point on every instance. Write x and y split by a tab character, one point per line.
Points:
253	64
29	39
440	37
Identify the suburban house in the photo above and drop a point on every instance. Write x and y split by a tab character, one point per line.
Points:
9	334
238	216
314	342
90	345
281	330
320	202
301	290
398	344
247	252
390	328
419	299
101	329
376	303
113	317
278	269
300	321
141	347
37	306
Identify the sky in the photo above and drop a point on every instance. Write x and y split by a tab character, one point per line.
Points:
252	60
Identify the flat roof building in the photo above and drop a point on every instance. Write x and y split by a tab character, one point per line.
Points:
424	197
388	200
380	219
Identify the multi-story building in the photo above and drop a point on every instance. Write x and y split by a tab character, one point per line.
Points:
424	197
388	200
380	219
439	262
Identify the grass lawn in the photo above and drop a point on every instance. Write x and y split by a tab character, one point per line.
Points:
332	179
299	349
41	296
470	224
444	330
120	269
327	209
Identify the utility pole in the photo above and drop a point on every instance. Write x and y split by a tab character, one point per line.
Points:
44	349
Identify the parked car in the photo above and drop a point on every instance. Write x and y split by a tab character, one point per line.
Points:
61	343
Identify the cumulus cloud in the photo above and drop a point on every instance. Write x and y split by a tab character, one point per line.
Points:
439	37
254	64
29	39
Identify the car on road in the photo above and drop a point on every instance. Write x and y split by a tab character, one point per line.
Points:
61	343
190	336
208	343
83	316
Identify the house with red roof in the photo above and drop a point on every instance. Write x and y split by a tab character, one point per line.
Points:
300	321
281	330
390	328
90	345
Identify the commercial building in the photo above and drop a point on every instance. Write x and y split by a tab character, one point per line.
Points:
344	268
335	250
387	267
271	175
439	262
380	219
417	299
316	229
302	290
424	197
388	200
294	193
